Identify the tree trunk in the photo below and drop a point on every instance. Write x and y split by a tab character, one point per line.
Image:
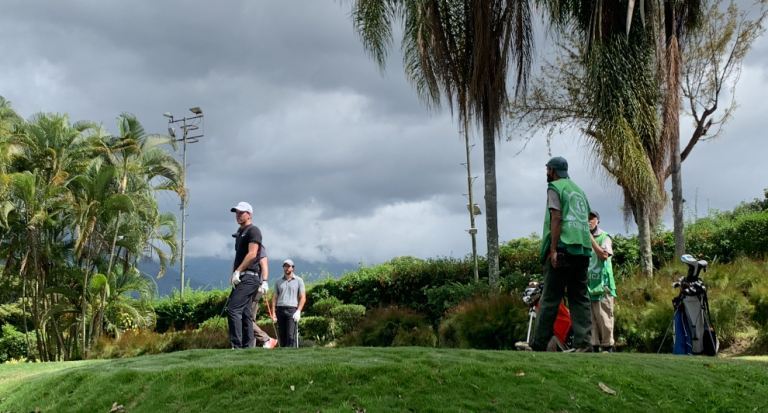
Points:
672	127
491	213
642	218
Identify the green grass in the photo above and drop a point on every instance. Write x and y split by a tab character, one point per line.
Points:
392	379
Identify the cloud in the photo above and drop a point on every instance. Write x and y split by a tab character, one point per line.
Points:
340	162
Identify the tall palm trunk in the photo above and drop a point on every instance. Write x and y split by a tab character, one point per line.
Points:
123	184
491	214
642	218
672	130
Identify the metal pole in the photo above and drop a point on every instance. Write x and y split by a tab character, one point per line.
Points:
184	207
472	229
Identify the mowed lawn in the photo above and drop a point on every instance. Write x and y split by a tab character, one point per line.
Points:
387	380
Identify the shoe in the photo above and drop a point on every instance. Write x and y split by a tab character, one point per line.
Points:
523	346
595	349
608	350
271	343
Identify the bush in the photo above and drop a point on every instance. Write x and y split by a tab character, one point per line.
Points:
323	306
495	322
441	299
389	326
190	311
346	317
215	323
13	344
319	329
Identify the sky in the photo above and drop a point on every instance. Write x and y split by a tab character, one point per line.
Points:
341	162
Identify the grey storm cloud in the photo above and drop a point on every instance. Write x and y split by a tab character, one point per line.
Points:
340	162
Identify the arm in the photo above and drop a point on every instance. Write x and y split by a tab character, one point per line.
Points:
264	268
302	300
274	304
253	250
601	253
555	229
233	272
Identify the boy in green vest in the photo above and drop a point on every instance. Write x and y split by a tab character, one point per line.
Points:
565	251
602	288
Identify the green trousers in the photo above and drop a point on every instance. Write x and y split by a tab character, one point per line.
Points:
558	282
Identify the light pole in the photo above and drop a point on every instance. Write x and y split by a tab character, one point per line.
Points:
185	128
472	207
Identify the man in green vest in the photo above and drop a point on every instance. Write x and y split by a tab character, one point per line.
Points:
565	252
602	288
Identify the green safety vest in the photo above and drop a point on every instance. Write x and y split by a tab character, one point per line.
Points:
574	207
600	273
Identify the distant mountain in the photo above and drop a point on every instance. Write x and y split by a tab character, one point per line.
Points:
213	272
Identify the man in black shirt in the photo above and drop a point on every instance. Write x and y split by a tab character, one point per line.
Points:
245	279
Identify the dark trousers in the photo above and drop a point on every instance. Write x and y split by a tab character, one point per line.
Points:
239	311
558	282
287	326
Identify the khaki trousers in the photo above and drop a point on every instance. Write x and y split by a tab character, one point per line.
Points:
602	320
260	337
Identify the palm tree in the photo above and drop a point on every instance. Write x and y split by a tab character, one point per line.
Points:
459	50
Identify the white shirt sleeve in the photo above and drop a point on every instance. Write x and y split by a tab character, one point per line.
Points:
553	199
607	245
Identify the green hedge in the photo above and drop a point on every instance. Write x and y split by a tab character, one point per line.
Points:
196	307
13	344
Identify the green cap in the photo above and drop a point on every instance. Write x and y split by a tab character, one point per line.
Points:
560	165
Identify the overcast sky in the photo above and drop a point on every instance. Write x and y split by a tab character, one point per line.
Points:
339	162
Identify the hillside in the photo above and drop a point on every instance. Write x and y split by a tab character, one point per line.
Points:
394	379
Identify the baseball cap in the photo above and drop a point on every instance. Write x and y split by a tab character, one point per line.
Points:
243	207
595	214
289	262
560	165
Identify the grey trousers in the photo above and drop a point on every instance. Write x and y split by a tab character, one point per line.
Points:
260	337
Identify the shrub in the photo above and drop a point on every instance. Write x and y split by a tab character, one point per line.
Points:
323	306
13	344
758	295
346	317
382	326
218	323
441	299
316	328
190	311
494	322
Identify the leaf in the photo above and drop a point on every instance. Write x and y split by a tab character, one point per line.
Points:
117	408
37	410
311	381
359	410
606	389
572	398
293	388
520	373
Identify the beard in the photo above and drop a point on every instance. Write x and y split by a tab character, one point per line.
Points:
549	178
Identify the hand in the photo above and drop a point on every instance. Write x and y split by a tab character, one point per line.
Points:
274	319
264	287
297	316
235	278
555	262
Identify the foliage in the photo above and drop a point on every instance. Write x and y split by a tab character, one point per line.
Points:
13	344
324	306
441	299
391	326
346	317
493	322
191	310
317	328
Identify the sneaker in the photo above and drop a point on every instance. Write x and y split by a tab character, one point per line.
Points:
523	346
271	343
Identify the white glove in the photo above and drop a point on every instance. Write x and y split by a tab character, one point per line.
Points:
264	288
236	278
297	316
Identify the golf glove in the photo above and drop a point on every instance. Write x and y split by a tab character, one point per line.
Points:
236	278
297	316
264	287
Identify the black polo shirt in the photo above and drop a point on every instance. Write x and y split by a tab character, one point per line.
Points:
246	236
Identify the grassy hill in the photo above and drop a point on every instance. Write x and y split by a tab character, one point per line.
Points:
387	380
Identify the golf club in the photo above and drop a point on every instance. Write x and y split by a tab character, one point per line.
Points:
208	346
272	319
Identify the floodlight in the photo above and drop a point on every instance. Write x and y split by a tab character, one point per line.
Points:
475	211
168	115
172	132
196	110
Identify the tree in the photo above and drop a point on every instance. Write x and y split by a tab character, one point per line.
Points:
459	50
708	60
565	98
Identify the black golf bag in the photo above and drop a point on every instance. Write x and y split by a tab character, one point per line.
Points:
693	330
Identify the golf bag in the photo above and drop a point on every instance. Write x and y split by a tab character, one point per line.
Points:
693	330
563	338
